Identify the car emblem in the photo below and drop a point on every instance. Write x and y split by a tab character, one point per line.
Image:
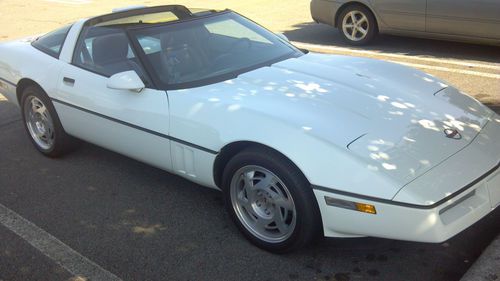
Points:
452	134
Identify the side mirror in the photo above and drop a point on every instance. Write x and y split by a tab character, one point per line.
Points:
282	36
128	80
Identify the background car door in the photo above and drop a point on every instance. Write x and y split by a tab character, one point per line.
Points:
132	123
401	14
475	18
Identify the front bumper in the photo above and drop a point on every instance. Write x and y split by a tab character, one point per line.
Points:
409	223
435	222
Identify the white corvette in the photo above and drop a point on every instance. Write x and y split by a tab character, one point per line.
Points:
301	144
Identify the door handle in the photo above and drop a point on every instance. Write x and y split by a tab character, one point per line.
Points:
70	81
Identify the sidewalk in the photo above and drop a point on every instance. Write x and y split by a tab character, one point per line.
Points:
487	266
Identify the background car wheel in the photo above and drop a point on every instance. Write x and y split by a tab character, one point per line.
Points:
42	124
357	25
270	200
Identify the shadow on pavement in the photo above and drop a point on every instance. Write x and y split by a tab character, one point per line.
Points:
313	33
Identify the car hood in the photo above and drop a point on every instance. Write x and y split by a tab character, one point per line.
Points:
389	116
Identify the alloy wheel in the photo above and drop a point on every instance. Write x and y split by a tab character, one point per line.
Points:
355	25
263	204
39	122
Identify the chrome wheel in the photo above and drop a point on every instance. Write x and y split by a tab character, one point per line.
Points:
39	122
355	25
263	204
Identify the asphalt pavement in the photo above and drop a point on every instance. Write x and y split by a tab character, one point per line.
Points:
487	267
20	261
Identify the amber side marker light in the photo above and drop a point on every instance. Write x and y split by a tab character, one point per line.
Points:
360	207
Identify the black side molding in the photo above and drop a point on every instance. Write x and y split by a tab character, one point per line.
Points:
408	205
8	82
137	127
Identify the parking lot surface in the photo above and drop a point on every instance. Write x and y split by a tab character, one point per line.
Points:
141	223
20	261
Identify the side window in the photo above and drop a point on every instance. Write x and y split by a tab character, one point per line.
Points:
51	43
106	51
149	44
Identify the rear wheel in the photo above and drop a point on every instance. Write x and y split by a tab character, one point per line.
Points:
42	123
270	201
357	25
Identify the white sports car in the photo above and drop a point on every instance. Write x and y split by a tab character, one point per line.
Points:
301	144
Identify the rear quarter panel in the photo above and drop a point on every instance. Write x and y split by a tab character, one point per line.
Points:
18	60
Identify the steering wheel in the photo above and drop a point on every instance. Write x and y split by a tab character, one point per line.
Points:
234	49
241	41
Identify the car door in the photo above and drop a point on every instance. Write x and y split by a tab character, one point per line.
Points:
474	18
401	14
129	122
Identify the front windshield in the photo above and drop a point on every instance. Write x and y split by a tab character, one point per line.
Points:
204	50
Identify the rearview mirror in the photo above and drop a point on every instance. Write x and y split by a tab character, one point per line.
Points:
128	80
282	36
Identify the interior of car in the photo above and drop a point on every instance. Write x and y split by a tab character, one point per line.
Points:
177	53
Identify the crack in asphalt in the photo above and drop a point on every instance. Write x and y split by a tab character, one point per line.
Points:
10	122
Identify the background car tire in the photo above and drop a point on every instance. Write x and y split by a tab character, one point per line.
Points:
43	125
357	25
296	194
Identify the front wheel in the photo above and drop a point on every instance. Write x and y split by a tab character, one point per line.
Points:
357	25
270	201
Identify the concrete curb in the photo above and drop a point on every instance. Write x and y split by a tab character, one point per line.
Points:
487	266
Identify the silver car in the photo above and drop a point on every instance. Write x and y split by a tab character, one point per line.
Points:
457	20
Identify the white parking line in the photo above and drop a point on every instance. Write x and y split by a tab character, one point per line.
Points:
494	66
446	69
53	248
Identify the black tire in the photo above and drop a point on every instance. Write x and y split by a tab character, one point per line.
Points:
307	227
62	143
370	25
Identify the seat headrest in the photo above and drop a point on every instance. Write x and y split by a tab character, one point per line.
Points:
110	48
176	39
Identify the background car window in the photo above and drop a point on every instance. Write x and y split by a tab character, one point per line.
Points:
106	51
51	43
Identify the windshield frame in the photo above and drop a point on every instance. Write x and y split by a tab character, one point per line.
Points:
134	30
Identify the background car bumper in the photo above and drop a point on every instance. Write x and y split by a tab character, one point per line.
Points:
324	11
